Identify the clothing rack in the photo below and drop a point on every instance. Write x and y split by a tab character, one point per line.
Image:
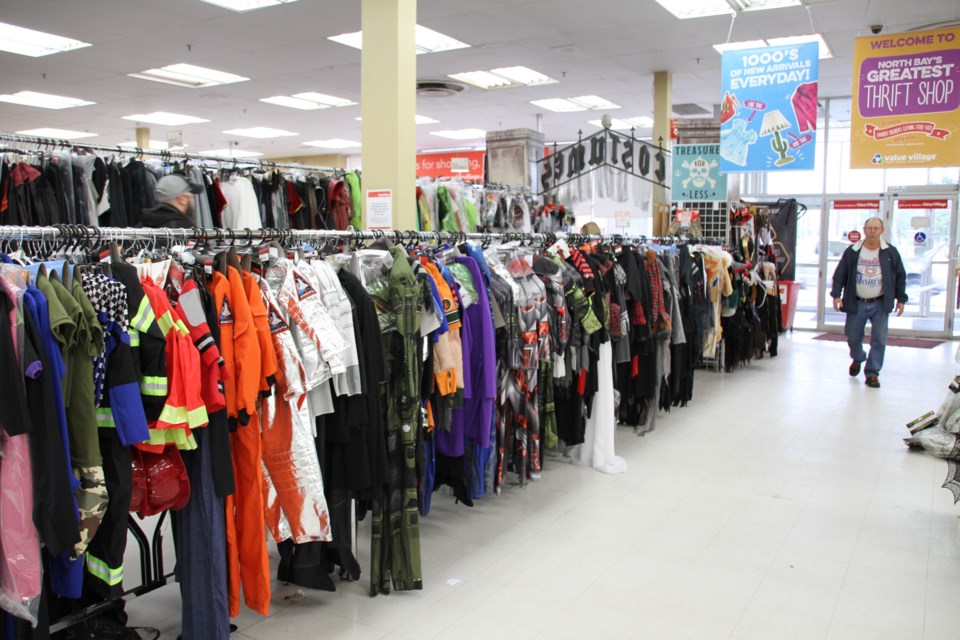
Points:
55	143
95	235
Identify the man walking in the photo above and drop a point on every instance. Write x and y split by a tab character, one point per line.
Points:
175	205
868	282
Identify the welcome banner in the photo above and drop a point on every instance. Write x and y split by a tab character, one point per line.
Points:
906	96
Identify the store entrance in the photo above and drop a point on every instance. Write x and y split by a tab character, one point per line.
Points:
923	228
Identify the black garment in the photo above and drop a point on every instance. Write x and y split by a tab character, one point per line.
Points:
164	216
110	541
218	429
54	510
14	413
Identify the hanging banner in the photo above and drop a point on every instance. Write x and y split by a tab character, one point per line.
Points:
906	96
768	116
696	173
467	165
603	149
856	204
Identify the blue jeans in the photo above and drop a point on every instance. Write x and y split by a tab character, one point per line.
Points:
854	330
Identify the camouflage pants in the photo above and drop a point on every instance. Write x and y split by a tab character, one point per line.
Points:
92	502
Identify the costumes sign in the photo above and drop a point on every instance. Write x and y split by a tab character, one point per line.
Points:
696	173
906	97
768	117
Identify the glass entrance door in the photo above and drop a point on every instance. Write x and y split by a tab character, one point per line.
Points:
922	229
841	227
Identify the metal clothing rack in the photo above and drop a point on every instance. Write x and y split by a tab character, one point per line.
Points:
94	235
55	143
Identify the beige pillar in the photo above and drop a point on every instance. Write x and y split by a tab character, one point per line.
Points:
662	110
143	137
388	105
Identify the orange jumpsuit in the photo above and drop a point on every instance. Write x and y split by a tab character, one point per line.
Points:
247	561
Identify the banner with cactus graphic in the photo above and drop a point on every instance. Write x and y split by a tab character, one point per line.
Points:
768	113
906	100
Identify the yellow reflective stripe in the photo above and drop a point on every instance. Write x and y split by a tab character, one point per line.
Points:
105	417
178	437
153	385
134	337
144	316
166	322
182	327
198	417
100	569
179	415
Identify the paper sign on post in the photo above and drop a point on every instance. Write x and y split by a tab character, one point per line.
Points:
623	218
460	165
380	209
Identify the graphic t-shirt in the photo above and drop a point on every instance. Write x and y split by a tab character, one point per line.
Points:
869	280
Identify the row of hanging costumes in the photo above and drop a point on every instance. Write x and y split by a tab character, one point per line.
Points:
465	207
270	393
70	188
745	310
212	390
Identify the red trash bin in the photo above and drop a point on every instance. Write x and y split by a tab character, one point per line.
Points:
789	292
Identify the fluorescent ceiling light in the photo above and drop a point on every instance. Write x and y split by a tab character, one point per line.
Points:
523	75
460	134
260	132
231	153
324	100
504	78
483	79
427	40
66	134
294	103
430	41
824	49
595	102
27	42
743	44
762	5
417	120
247	5
788	40
559	105
354	39
160	145
685	9
188	75
580	103
43	100
164	118
625	124
335	143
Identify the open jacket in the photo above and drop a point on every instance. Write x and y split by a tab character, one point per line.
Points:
892	272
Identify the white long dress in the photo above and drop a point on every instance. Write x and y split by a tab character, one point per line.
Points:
597	450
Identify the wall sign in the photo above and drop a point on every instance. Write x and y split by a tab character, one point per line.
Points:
604	148
696	173
380	209
922	204
768	116
853	236
448	165
856	204
906	100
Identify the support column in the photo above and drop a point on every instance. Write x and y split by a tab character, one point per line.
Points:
388	105
662	109
143	137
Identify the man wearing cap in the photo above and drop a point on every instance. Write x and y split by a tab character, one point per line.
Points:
175	207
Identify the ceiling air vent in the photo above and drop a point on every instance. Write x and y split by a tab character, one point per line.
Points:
690	109
438	88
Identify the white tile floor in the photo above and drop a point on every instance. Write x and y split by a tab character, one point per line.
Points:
781	504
